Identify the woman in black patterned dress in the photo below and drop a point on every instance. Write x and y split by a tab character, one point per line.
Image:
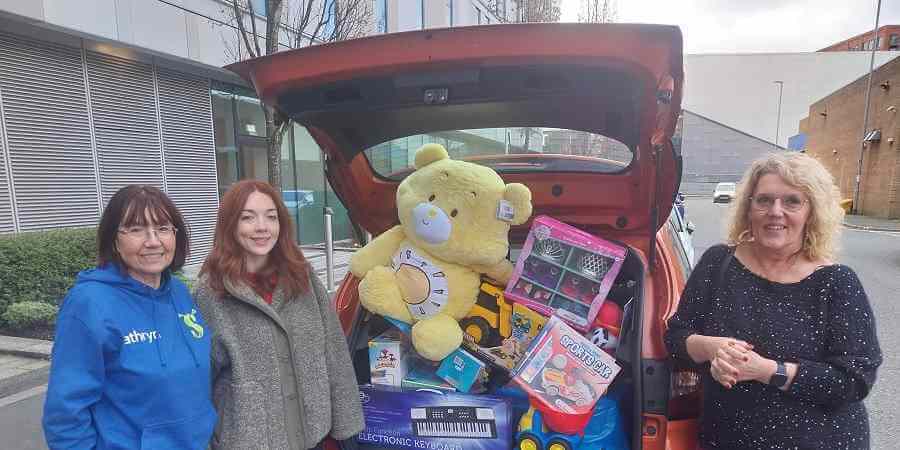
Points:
785	335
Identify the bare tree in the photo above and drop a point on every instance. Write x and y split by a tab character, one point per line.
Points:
292	24
598	11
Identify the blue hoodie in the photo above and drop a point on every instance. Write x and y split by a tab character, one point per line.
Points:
130	367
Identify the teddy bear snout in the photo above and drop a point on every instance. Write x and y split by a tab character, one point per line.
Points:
431	223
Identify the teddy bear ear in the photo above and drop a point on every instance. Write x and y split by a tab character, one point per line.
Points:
520	197
430	153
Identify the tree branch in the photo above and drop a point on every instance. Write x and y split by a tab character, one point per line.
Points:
239	18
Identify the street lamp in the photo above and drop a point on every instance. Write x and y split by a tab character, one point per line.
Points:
862	145
778	122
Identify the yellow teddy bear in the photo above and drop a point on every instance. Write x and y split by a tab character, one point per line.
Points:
454	225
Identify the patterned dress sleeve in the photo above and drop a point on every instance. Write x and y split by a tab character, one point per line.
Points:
694	304
848	372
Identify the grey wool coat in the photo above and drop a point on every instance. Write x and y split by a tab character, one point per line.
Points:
282	374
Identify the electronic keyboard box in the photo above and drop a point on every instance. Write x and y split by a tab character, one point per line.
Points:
431	420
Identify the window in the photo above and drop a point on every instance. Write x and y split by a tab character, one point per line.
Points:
381	18
411	15
330	20
251	120
226	143
894	42
259	7
513	149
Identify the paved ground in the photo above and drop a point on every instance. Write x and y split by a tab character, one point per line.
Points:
875	256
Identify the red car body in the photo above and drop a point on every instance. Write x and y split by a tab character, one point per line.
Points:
620	81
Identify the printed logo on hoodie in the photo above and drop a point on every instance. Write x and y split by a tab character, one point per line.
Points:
190	321
141	336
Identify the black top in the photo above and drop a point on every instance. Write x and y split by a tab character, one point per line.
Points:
824	323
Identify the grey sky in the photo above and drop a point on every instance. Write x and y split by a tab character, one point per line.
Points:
755	26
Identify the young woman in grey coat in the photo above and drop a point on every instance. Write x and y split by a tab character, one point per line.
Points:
281	368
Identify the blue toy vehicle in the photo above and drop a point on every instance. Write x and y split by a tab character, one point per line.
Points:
605	431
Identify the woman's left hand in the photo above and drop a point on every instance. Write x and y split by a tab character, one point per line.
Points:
750	366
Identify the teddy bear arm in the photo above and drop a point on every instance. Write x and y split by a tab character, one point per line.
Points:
377	253
500	272
380	293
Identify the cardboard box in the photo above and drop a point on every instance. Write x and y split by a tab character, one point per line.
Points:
422	375
565	370
564	271
462	369
427	420
389	355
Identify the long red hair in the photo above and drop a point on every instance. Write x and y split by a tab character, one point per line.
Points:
226	259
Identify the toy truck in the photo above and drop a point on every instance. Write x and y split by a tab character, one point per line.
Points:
489	321
605	431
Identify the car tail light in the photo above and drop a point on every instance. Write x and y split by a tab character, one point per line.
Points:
684	396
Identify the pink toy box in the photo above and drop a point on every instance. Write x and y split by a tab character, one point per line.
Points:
564	375
564	271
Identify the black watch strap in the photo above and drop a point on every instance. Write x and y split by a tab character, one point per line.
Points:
779	378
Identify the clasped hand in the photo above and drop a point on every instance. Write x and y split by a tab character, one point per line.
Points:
735	361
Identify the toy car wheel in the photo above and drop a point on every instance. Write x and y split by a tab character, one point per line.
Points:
528	441
479	329
558	444
552	391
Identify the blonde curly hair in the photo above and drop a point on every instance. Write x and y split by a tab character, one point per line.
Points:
802	172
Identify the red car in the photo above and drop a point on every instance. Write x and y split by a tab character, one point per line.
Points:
581	113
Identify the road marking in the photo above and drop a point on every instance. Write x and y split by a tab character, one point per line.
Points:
15	398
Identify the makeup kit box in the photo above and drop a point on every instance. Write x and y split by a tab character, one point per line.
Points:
431	420
564	271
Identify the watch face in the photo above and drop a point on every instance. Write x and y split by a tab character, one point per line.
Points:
422	284
779	378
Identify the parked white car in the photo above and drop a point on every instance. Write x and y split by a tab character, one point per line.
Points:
724	192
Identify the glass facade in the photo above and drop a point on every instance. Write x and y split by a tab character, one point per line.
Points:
240	135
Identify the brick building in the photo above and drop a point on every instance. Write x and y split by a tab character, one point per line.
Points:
888	38
834	133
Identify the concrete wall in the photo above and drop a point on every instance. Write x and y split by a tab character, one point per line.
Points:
713	152
834	129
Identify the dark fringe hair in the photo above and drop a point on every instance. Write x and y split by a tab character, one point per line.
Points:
129	207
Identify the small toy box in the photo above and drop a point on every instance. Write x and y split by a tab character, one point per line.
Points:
389	358
429	420
462	370
499	332
564	271
565	374
421	376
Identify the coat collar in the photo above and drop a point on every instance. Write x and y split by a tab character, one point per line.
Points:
243	292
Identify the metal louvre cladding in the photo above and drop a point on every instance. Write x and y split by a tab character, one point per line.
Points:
6	218
48	133
186	116
126	129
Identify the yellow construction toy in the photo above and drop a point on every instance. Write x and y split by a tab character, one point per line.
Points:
490	320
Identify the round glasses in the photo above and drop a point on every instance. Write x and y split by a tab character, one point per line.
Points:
789	202
137	233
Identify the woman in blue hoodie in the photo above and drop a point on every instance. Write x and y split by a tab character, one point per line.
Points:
130	364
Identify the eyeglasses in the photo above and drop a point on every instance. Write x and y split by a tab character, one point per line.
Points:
790	202
137	233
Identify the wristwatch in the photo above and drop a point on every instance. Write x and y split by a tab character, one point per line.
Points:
779	378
